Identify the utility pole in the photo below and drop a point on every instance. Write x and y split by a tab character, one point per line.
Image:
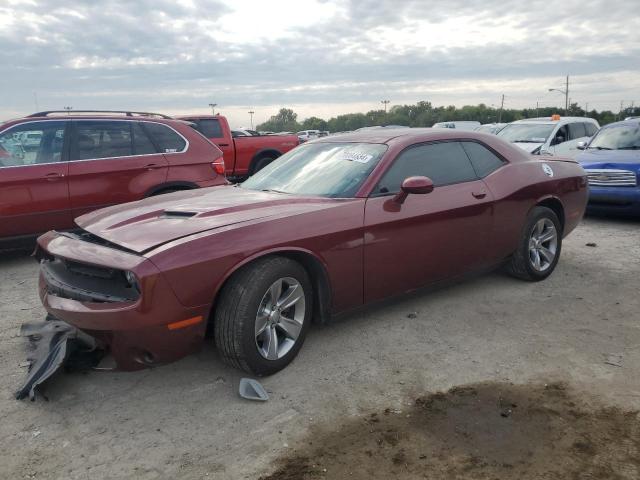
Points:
537	113
566	98
68	109
501	107
251	112
213	108
565	92
620	114
385	103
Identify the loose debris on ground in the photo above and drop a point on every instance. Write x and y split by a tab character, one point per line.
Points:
482	431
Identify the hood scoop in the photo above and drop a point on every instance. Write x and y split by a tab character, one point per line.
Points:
178	214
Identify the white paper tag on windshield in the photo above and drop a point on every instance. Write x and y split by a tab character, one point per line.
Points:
355	157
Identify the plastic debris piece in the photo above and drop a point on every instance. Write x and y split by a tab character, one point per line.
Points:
614	360
55	344
252	390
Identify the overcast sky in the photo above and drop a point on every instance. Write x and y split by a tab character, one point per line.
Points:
318	57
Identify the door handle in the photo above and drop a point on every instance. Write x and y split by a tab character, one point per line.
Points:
151	166
223	144
480	194
53	176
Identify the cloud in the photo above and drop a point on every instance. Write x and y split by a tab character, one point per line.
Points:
181	55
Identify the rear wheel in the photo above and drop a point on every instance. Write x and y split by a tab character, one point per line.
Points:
539	249
263	315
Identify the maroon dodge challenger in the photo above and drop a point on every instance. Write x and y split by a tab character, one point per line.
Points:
328	227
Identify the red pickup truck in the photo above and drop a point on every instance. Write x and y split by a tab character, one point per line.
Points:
242	155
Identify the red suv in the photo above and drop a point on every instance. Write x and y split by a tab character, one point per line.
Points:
55	166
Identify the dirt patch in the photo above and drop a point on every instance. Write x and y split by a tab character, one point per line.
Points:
482	431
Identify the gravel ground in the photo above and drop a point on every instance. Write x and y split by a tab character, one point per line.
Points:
185	420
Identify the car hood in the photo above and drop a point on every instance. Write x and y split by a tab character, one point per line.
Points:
146	224
593	158
528	146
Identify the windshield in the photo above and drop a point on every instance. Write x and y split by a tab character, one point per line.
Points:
526	132
621	137
322	169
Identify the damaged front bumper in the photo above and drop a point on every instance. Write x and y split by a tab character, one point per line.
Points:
119	298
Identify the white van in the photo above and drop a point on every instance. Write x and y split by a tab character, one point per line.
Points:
550	135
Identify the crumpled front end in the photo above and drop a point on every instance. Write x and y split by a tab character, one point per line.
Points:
117	297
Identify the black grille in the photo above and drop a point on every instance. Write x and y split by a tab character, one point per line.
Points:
86	283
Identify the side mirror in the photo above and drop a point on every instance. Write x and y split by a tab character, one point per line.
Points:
581	145
414	185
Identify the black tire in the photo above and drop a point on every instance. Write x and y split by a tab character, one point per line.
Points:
235	314
260	163
166	190
521	265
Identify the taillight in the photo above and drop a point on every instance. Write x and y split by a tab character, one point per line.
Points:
218	166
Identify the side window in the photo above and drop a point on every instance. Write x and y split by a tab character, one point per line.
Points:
210	128
444	163
141	143
591	129
167	140
101	139
561	136
484	161
32	143
576	130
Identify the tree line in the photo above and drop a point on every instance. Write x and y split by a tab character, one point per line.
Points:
424	114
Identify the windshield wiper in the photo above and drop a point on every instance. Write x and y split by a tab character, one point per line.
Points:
525	141
272	190
601	148
632	147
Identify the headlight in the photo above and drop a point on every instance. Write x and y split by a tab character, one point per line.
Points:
132	280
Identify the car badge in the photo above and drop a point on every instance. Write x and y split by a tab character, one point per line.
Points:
547	169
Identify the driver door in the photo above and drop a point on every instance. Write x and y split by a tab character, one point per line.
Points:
429	237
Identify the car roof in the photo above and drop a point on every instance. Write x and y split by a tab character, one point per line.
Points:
402	135
97	116
560	121
631	122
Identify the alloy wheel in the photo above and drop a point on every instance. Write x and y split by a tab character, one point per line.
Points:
543	244
280	318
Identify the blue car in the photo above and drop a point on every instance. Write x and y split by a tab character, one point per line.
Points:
612	161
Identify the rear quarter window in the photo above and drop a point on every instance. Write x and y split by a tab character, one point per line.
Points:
210	128
484	161
164	137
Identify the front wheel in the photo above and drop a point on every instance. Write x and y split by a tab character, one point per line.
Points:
263	315
539	249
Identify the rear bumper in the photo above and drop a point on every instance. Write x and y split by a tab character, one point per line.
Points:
150	329
617	200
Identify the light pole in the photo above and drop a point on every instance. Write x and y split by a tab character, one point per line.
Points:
213	108
501	107
68	109
565	92
385	103
251	112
